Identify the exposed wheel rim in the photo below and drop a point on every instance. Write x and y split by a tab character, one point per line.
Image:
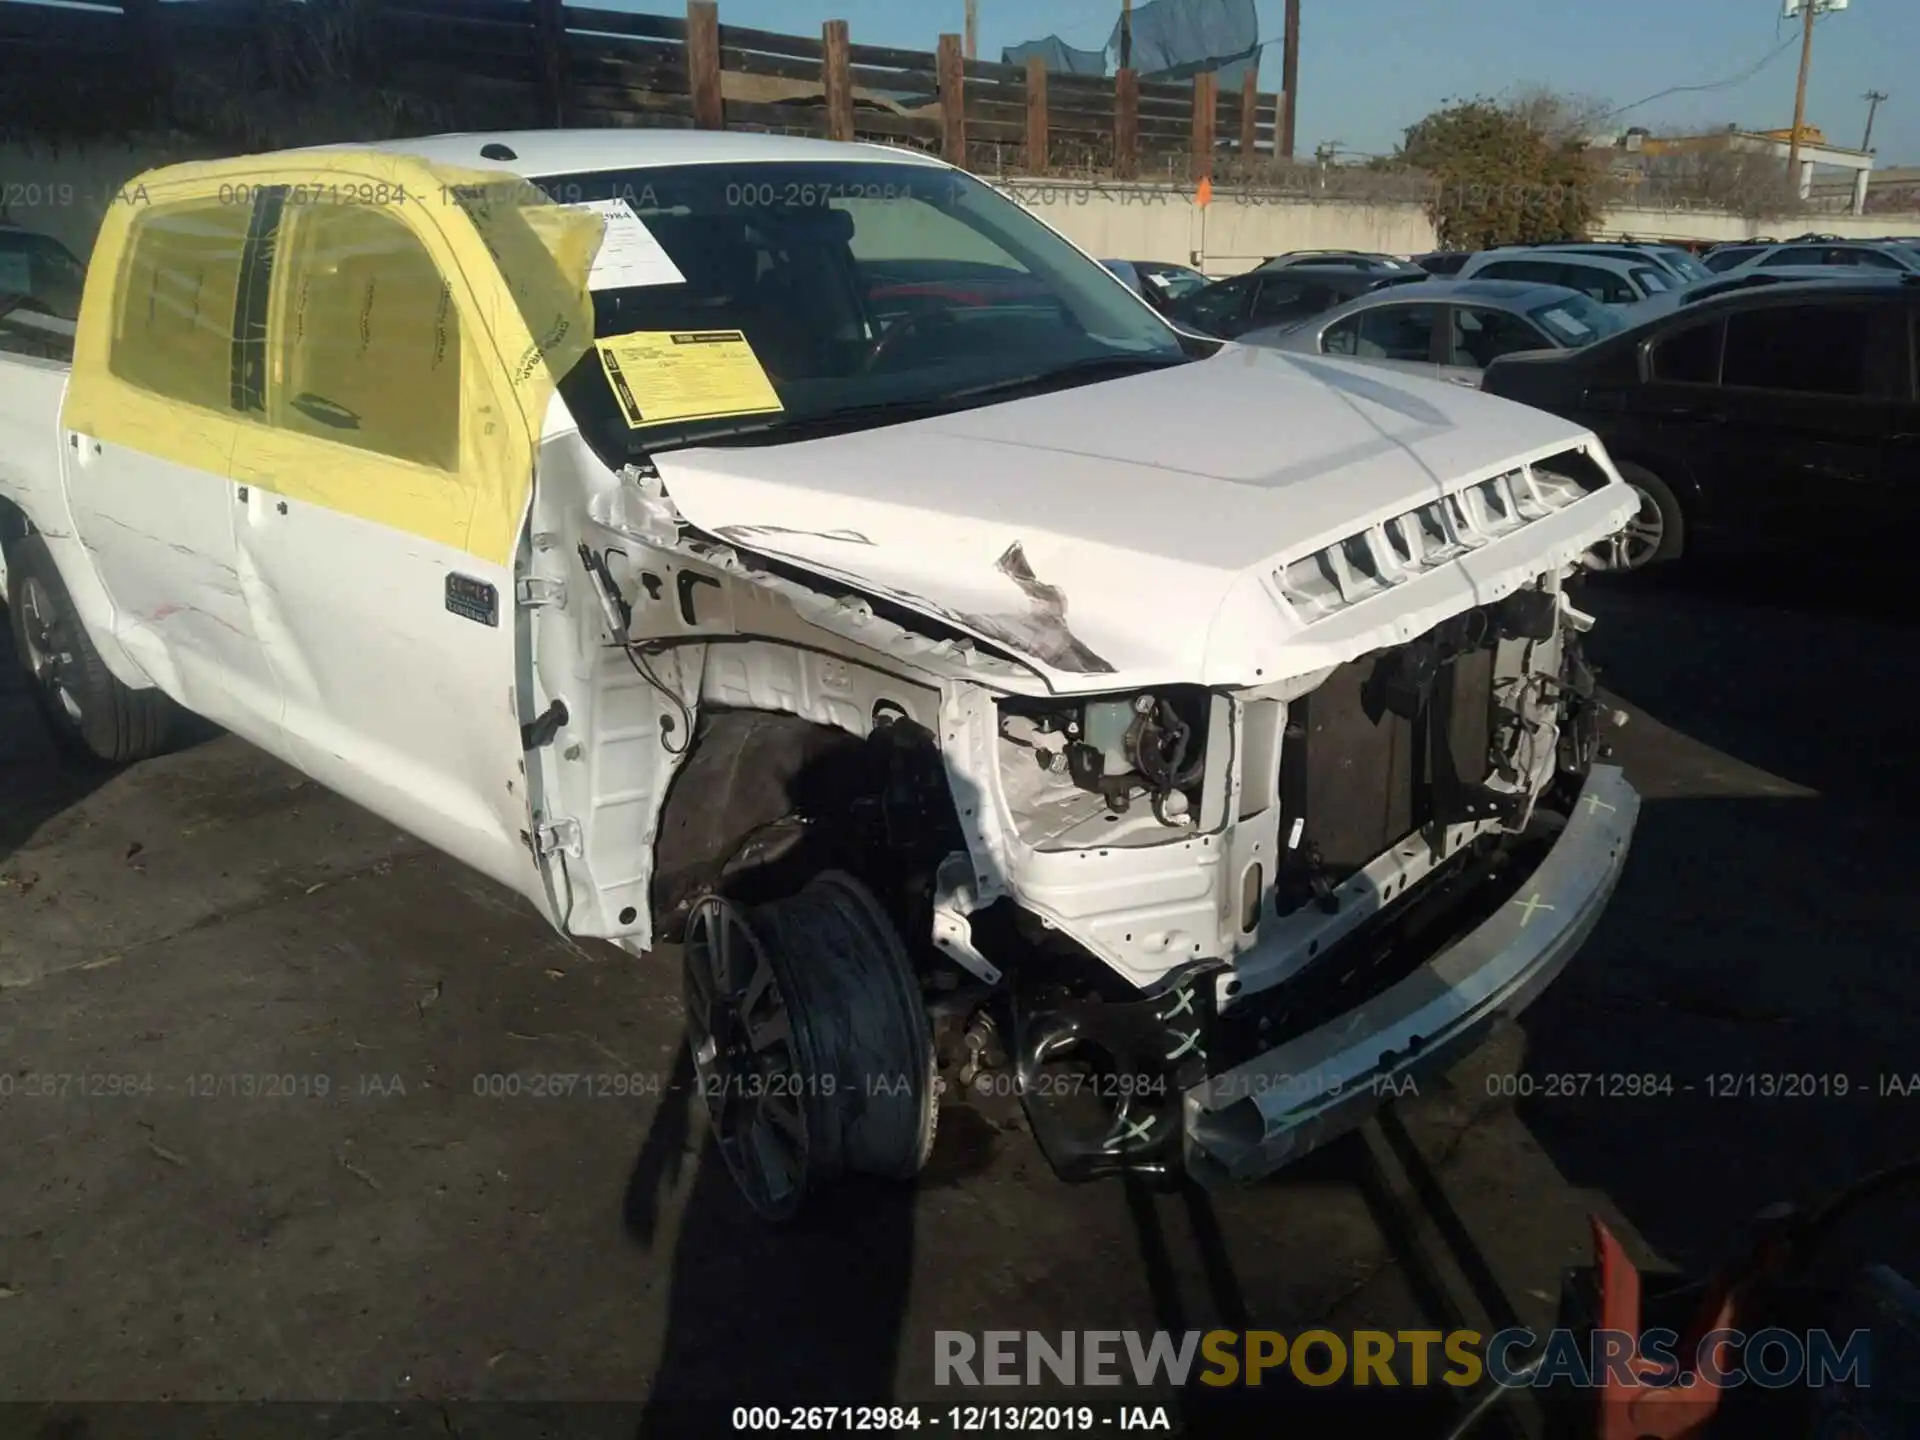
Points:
740	1025
48	658
1634	547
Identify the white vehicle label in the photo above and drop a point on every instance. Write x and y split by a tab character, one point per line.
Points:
1566	324
631	254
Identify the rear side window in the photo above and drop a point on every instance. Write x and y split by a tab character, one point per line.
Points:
1726	259
1387	332
1602	285
1277	298
174	303
367	338
1801	255
1805	349
1535	270
1222	302
1688	357
1481	336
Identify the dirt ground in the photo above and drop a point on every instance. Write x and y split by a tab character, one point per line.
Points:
387	1230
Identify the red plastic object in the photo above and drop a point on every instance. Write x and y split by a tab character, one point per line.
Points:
1664	1400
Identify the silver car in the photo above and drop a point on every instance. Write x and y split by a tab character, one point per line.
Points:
1448	329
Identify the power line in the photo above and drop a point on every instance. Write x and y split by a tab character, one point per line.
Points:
1740	79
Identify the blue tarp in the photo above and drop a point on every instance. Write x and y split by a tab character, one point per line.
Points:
1178	39
1060	57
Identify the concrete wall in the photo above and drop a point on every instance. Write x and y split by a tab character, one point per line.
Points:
1235	233
65	192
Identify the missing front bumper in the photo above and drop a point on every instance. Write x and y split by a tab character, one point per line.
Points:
1275	1108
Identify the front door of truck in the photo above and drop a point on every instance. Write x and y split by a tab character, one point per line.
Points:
386	482
149	424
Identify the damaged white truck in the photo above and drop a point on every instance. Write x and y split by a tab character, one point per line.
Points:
799	551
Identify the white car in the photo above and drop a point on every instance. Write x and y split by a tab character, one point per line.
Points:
799	549
1609	280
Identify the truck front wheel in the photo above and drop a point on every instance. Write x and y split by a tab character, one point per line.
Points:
91	714
811	1043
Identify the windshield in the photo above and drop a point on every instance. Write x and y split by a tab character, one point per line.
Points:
1576	320
1684	263
1176	283
789	299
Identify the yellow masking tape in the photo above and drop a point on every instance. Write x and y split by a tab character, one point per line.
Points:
663	375
400	364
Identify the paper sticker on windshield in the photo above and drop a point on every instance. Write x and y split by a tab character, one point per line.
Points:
1565	323
665	375
630	254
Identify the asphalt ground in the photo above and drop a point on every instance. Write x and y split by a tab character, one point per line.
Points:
390	1230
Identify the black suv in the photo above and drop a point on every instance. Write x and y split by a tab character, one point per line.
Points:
1781	417
1264	298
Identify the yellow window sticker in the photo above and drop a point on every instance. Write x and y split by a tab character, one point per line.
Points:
664	375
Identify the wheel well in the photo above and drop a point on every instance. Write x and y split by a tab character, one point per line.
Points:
765	800
14	527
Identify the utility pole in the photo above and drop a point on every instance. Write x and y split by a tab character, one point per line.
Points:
973	27
1800	94
1873	99
1126	34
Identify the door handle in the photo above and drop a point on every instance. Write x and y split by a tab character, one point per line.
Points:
240	494
1603	400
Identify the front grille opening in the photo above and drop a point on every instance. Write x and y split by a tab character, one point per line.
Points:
1575	466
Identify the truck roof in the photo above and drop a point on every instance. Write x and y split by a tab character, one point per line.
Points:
536	154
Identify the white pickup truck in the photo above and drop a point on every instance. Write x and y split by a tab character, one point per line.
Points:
800	551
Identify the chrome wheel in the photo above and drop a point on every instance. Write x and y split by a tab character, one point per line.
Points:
49	659
744	1058
1634	547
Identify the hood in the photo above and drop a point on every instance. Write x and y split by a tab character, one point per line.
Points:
1140	530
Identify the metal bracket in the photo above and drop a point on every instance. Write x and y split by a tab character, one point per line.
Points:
532	592
954	899
558	837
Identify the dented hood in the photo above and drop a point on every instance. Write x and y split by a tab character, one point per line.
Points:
1129	532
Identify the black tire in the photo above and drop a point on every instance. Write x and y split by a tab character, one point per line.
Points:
1660	508
91	715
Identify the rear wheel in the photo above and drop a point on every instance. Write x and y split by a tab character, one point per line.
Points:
811	1045
90	714
1656	533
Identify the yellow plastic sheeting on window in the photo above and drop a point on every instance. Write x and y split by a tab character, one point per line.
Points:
174	304
662	375
392	332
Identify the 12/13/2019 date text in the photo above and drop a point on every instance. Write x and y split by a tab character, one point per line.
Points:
957	1419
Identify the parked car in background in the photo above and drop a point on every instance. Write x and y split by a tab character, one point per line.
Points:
1346	259
1448	329
1679	263
1610	280
1443	262
1262	298
1778	417
38	273
1863	254
1734	280
1158	282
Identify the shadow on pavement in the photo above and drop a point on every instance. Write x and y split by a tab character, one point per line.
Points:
1758	958
36	781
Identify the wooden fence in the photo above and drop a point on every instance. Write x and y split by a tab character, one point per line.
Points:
546	63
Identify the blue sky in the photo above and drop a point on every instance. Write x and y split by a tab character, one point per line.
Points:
1370	68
